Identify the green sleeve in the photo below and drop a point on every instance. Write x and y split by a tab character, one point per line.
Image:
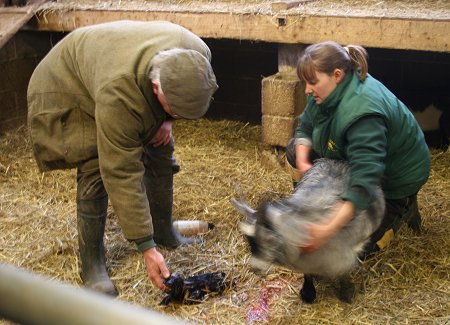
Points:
304	128
366	151
145	243
119	129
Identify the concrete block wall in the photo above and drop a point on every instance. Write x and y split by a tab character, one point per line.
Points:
418	78
239	67
251	87
422	81
18	59
282	101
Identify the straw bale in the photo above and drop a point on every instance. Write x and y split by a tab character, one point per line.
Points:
277	130
407	283
281	95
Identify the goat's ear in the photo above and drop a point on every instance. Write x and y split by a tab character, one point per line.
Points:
245	210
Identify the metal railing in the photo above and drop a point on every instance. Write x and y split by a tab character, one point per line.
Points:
27	298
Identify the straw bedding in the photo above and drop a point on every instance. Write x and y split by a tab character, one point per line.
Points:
408	283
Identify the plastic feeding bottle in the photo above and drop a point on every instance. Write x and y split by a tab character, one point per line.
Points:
192	227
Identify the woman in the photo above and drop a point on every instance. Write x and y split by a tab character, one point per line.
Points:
353	117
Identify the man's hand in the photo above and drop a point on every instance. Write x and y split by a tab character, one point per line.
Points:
156	267
163	135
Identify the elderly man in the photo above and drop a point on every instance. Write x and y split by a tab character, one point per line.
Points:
103	101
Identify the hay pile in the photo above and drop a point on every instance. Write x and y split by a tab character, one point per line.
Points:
408	283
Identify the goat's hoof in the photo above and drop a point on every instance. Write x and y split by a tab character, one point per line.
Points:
308	296
413	218
415	223
347	293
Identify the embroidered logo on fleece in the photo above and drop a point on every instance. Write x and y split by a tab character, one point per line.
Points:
331	145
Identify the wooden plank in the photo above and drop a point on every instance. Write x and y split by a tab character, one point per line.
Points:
14	10
10	23
13	18
411	34
286	5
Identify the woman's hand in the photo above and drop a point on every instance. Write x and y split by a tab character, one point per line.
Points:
163	135
303	166
302	158
319	234
156	267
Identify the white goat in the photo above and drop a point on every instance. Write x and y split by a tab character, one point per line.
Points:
276	231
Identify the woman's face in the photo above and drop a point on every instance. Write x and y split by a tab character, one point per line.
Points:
324	85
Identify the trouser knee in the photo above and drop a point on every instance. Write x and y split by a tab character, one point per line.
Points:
92	199
290	153
160	161
397	212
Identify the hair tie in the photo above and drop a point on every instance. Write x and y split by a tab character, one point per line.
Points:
346	50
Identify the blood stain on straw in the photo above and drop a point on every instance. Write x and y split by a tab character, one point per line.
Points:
261	311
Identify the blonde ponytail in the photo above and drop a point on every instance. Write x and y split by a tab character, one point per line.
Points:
359	57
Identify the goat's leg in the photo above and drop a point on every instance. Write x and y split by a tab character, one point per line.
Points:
308	291
346	289
414	219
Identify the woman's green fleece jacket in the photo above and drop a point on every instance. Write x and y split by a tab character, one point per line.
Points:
363	123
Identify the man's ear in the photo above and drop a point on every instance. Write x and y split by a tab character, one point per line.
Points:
338	75
155	87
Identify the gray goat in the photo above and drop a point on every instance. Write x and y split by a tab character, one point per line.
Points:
276	231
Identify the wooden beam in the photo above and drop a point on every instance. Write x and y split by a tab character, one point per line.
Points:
286	5
13	18
411	34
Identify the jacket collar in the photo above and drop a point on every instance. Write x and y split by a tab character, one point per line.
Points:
333	100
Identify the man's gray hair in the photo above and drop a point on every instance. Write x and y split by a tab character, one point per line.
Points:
157	60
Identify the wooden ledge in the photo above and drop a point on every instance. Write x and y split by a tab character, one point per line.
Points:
395	33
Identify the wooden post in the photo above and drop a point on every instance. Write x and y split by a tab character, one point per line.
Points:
288	55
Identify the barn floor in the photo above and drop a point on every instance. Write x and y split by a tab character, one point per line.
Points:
409	283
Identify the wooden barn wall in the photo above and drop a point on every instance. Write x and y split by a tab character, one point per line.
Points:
18	59
418	78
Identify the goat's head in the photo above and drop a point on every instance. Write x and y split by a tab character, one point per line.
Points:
258	227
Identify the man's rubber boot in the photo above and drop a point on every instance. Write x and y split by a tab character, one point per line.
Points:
160	197
91	218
